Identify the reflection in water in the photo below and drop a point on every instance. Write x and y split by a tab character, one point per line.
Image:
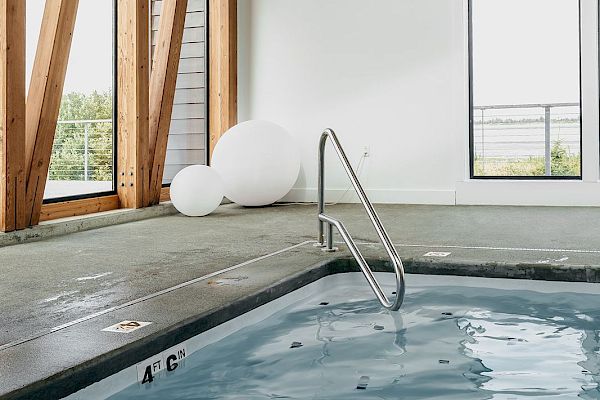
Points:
446	343
526	355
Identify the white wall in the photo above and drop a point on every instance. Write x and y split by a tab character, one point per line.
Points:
389	75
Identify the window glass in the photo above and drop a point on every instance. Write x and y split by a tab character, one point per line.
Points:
82	155
526	114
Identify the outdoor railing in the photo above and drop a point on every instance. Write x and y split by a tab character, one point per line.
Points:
520	132
82	151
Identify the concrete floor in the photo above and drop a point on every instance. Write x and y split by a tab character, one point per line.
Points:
64	278
54	281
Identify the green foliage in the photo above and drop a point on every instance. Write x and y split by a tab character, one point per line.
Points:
67	161
79	106
562	164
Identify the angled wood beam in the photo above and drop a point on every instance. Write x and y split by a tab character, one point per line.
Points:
133	96
162	88
12	115
44	97
223	68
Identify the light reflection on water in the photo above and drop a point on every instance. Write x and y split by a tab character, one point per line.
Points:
446	343
520	352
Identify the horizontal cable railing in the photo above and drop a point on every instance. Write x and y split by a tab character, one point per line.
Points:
544	137
82	151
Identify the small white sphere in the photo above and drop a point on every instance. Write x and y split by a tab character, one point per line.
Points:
197	191
258	161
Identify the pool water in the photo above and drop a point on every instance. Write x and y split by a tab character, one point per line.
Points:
454	338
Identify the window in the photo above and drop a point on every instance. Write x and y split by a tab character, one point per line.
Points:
525	117
82	161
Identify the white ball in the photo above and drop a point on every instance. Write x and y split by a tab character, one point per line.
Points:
258	161
197	191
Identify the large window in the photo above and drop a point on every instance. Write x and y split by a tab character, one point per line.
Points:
525	88
82	161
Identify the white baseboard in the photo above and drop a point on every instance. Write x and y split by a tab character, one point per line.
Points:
474	192
378	196
528	193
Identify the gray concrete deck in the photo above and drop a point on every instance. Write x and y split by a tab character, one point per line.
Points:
97	275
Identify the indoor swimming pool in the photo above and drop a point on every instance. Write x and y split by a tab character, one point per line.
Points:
454	338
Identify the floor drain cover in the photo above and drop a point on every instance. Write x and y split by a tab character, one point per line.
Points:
437	254
363	382
295	345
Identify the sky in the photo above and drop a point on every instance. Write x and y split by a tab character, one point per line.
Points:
525	51
90	62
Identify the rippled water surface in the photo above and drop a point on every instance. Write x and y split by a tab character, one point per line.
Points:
446	343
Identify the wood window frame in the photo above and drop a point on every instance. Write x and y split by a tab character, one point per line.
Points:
138	168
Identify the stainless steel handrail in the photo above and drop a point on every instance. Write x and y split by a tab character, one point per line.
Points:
331	222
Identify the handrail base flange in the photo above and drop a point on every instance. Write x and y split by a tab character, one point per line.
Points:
332	250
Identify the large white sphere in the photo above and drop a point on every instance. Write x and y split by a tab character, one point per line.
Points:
197	191
258	161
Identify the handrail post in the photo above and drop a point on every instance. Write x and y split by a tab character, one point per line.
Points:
547	145
86	145
483	140
330	238
321	189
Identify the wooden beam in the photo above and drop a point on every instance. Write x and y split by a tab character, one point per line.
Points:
133	92
223	68
165	194
79	207
45	95
12	115
162	88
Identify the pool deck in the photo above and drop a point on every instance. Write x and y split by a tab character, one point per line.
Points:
58	293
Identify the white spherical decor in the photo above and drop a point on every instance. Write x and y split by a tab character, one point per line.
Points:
258	161
197	191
